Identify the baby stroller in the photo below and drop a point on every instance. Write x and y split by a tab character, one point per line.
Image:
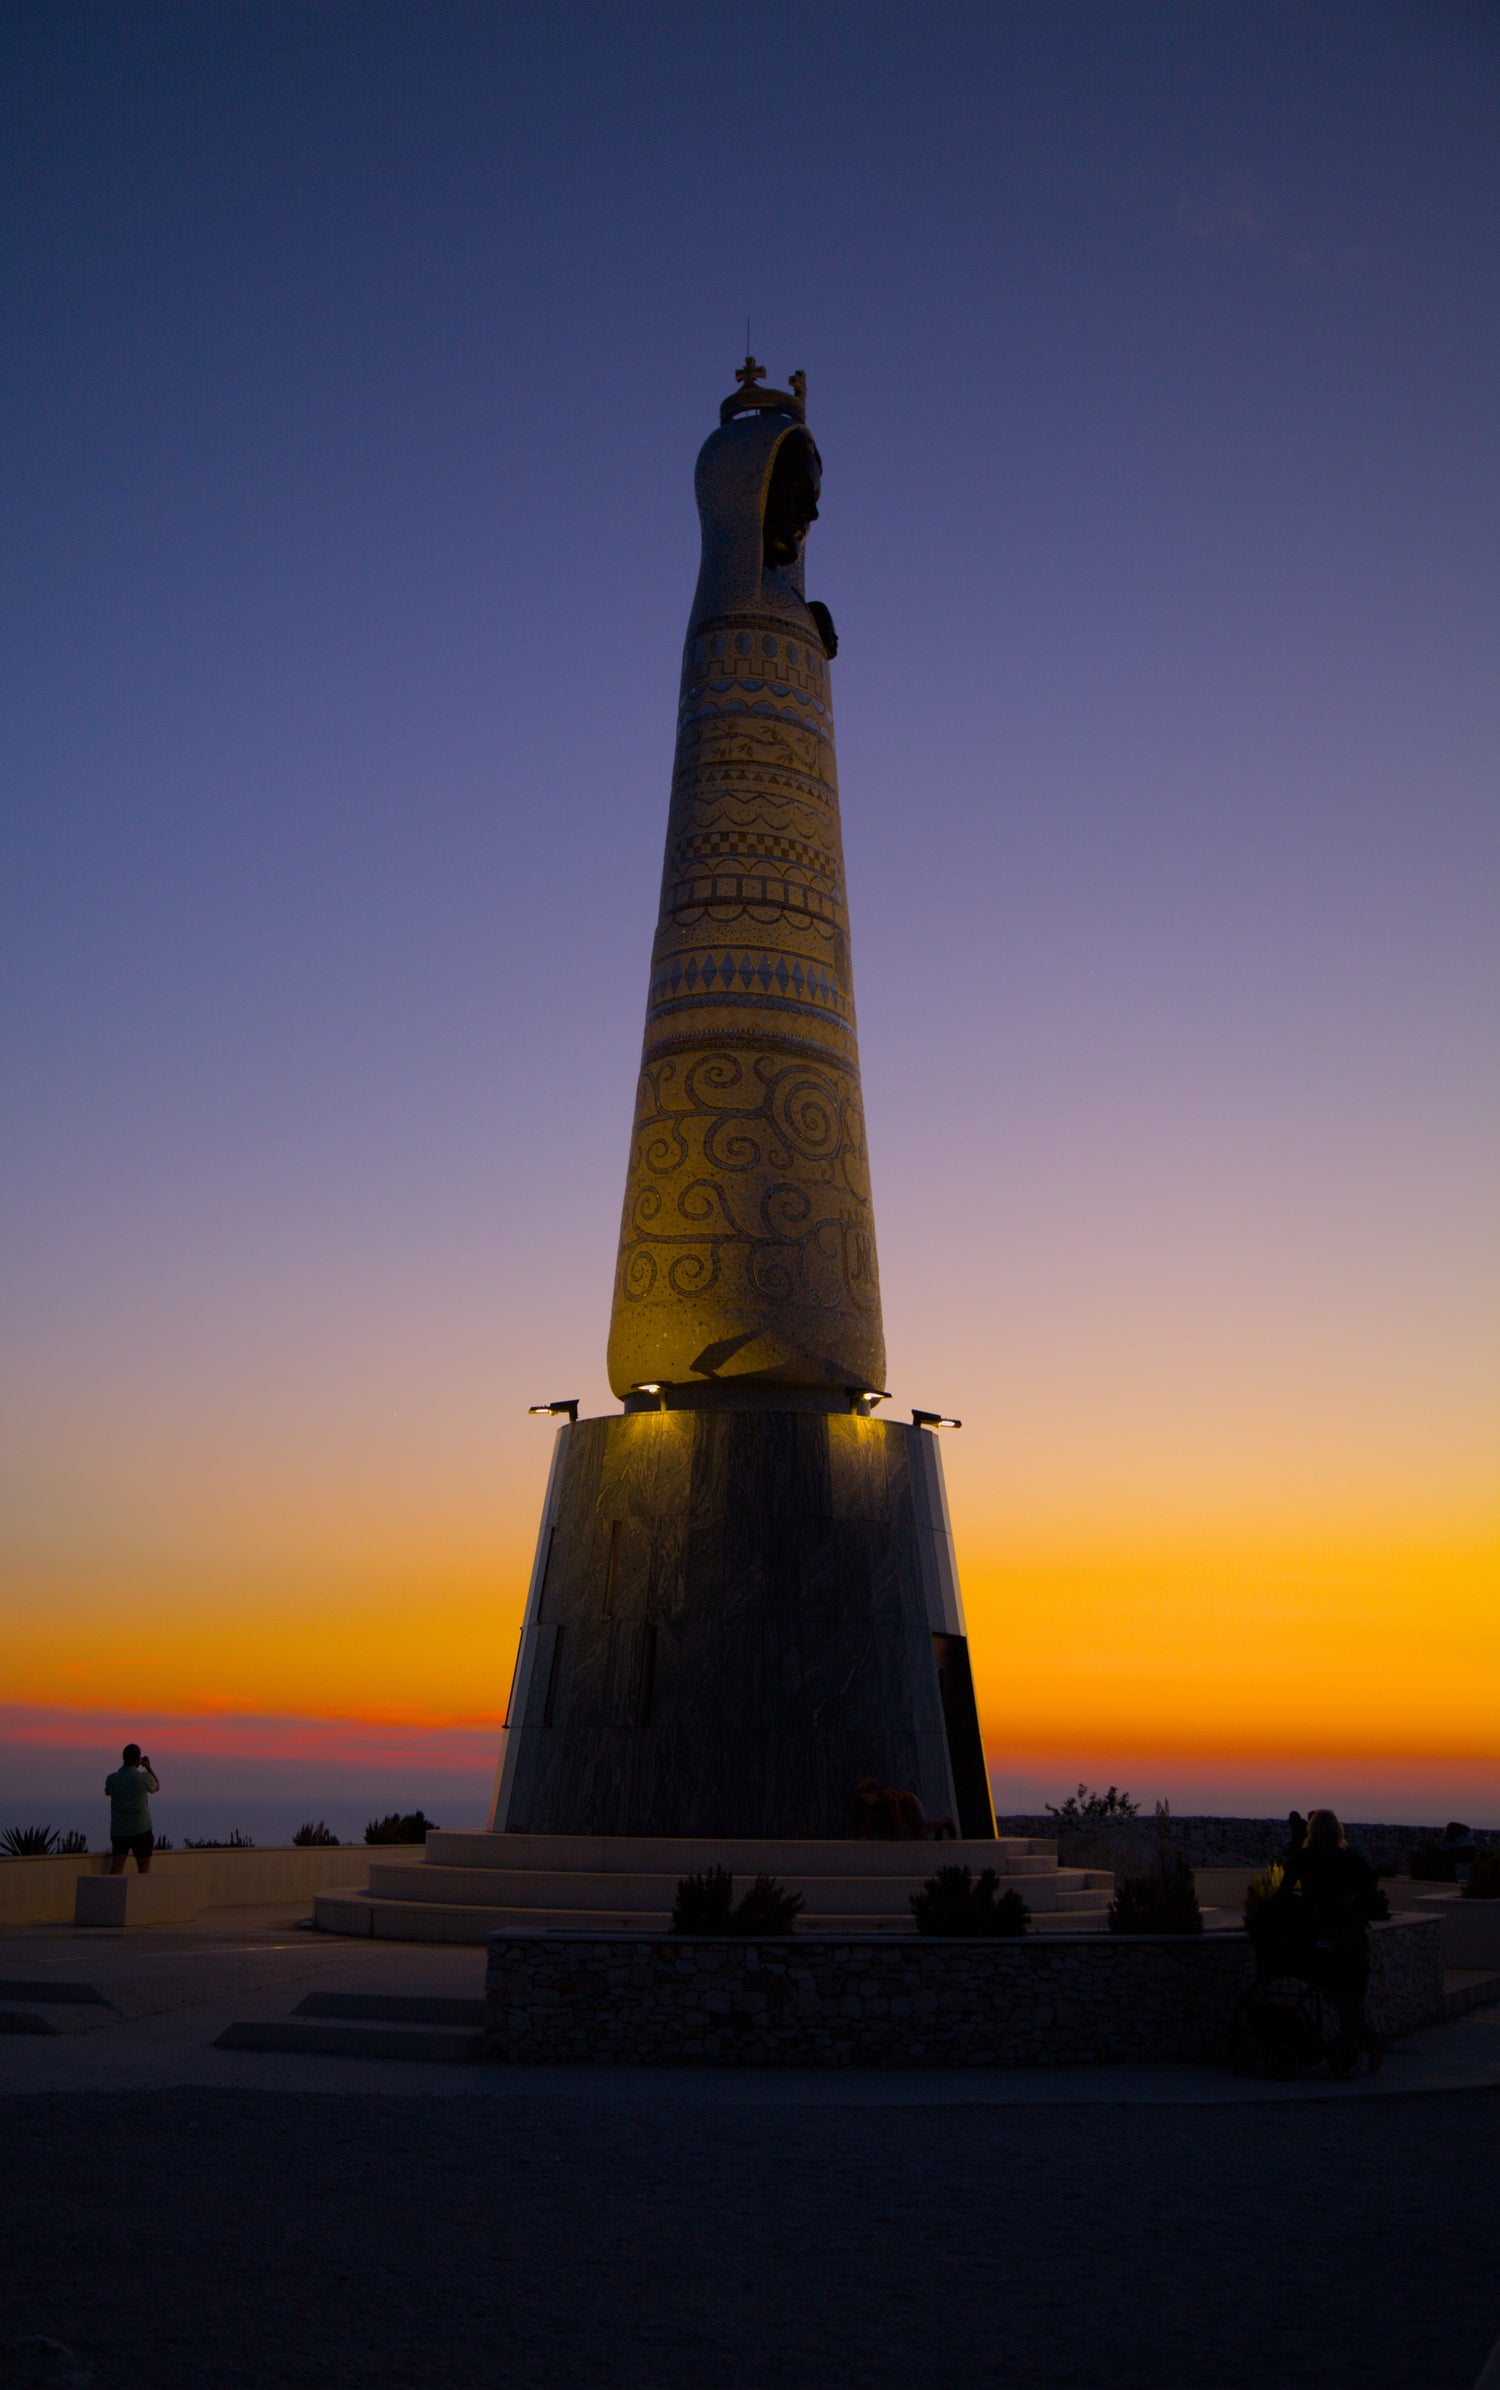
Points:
1306	2003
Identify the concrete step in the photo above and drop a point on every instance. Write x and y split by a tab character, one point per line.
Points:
556	1888
392	2008
28	2006
311	2037
676	1856
421	2025
445	1921
1465	1988
51	1995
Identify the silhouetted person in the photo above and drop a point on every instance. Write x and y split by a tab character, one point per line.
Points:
1327	1901
1460	1845
1296	1836
130	1789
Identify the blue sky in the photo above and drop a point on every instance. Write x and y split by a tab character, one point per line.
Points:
358	359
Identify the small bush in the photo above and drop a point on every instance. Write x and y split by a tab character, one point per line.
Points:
28	1842
163	1842
705	1905
1484	1877
237	1842
1162	1903
70	1845
1431	1864
954	1902
1263	1887
412	1828
1084	1803
310	1835
767	1908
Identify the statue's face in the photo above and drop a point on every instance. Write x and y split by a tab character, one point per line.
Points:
792	499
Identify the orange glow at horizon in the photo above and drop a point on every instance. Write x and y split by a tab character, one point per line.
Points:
1209	1647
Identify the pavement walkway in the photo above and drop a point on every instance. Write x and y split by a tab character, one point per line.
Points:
207	2219
173	1989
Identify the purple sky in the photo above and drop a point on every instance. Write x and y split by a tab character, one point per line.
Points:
357	360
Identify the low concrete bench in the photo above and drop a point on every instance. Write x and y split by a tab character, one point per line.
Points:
134	1899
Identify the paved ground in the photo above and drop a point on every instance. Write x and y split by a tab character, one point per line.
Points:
191	2219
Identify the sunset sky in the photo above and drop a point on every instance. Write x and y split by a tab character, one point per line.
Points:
357	361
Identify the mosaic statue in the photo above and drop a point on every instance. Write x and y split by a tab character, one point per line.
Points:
747	1248
744	1609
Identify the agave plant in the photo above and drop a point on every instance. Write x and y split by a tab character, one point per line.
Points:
705	1904
236	1842
72	1844
28	1842
767	1908
955	1901
1263	1887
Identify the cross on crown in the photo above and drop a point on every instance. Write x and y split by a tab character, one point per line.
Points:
748	399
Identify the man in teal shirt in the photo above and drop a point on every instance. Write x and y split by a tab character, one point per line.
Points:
130	1789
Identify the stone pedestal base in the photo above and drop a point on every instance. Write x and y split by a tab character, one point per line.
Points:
734	1617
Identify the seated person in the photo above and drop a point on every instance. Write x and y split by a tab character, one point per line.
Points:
891	1815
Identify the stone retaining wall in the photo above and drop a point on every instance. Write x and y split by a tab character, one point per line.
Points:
1132	1843
41	1891
907	2000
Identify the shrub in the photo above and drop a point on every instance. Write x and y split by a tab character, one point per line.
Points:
953	1902
396	1828
1431	1864
162	1842
70	1845
1263	1887
705	1905
237	1842
1160	1903
767	1908
1484	1877
318	1834
28	1842
1084	1804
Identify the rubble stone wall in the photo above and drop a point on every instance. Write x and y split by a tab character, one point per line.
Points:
899	2000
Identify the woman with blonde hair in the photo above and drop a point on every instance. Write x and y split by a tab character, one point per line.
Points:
1337	1898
